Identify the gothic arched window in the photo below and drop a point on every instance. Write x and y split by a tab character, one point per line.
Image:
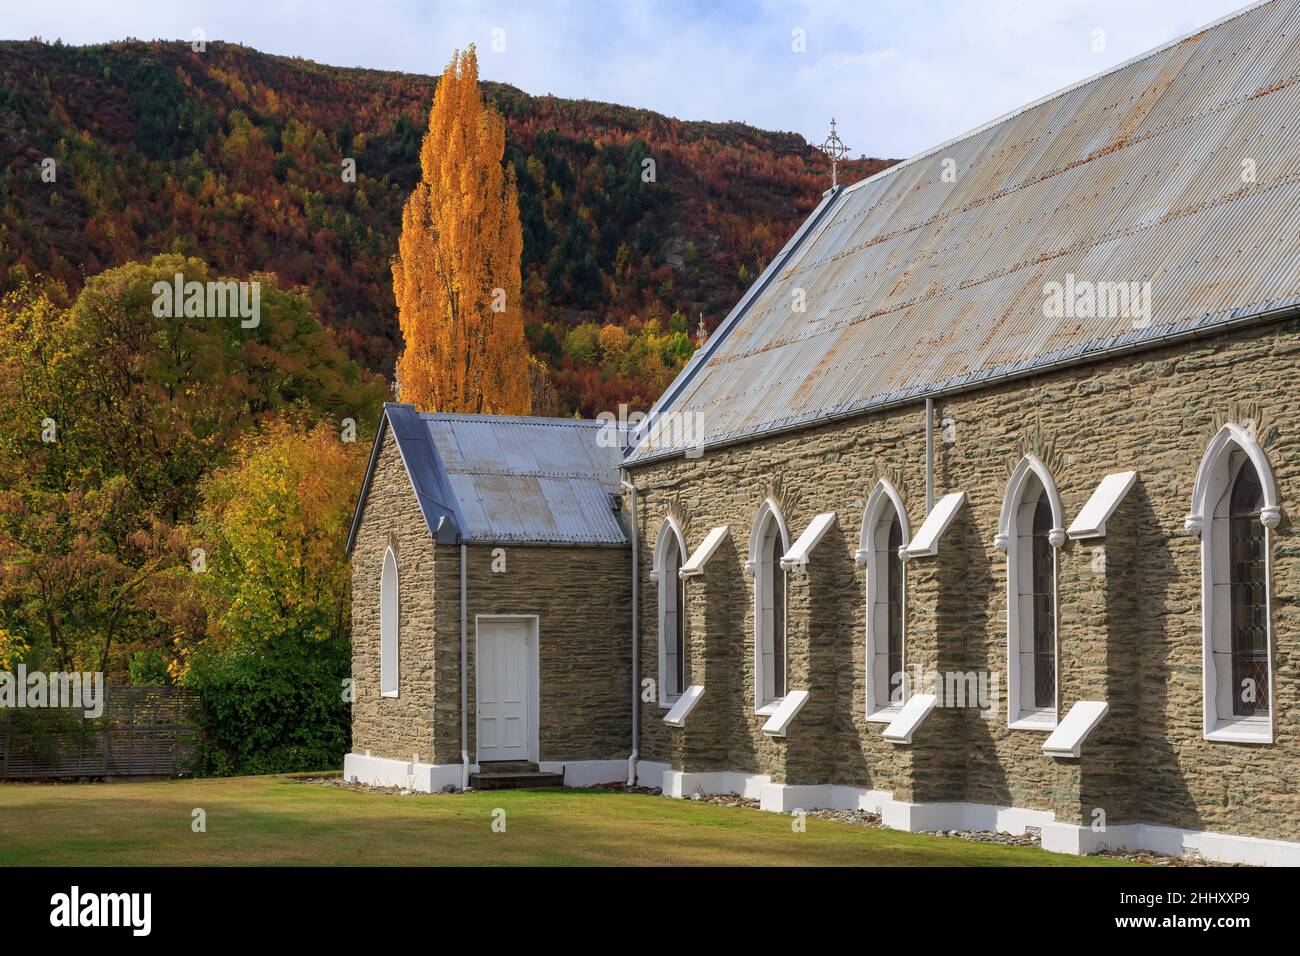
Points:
389	609
884	535
670	554
1234	506
768	543
1030	532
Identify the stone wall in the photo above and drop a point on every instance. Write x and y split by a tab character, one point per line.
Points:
394	727
1129	624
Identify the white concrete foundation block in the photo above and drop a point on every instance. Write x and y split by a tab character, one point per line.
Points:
385	772
684	785
651	774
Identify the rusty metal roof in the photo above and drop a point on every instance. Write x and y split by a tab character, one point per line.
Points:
1180	168
505	479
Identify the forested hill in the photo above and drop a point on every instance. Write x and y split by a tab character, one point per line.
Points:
237	157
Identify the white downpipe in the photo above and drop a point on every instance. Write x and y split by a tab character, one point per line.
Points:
464	671
636	644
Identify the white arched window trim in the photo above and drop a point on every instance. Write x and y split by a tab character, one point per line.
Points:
1212	482
883	502
1019	715
758	569
389	616
670	535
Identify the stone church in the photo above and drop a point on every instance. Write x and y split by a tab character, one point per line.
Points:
975	512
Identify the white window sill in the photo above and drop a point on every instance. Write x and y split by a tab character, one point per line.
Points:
884	715
779	723
910	718
1042	722
388	693
1066	741
768	709
1242	731
686	703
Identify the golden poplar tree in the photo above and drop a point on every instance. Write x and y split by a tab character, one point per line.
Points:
456	274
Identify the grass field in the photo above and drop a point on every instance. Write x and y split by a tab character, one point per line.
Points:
281	821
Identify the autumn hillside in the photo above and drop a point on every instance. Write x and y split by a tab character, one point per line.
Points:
236	157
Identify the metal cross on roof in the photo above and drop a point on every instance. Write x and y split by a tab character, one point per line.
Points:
834	148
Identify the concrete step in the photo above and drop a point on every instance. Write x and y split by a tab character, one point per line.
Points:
507	766
515	780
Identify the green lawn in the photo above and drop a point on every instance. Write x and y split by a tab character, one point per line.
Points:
279	821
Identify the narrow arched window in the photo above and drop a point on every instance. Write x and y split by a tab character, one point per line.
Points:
1030	532
774	616
1043	599
674	634
894	604
1234	506
670	554
768	546
389	609
1248	594
884	535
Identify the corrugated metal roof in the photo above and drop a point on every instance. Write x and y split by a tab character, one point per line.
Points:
916	286
540	480
506	479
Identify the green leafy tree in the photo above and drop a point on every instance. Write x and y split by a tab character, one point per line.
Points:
112	413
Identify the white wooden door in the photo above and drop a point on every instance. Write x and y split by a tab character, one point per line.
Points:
503	688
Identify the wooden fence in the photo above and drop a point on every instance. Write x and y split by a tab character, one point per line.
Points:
143	731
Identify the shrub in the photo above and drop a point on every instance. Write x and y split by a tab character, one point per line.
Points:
275	707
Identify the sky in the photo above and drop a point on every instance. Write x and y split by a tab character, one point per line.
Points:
900	76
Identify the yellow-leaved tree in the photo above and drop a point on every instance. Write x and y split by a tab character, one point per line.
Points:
456	274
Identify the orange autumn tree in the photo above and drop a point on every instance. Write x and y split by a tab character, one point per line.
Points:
456	274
